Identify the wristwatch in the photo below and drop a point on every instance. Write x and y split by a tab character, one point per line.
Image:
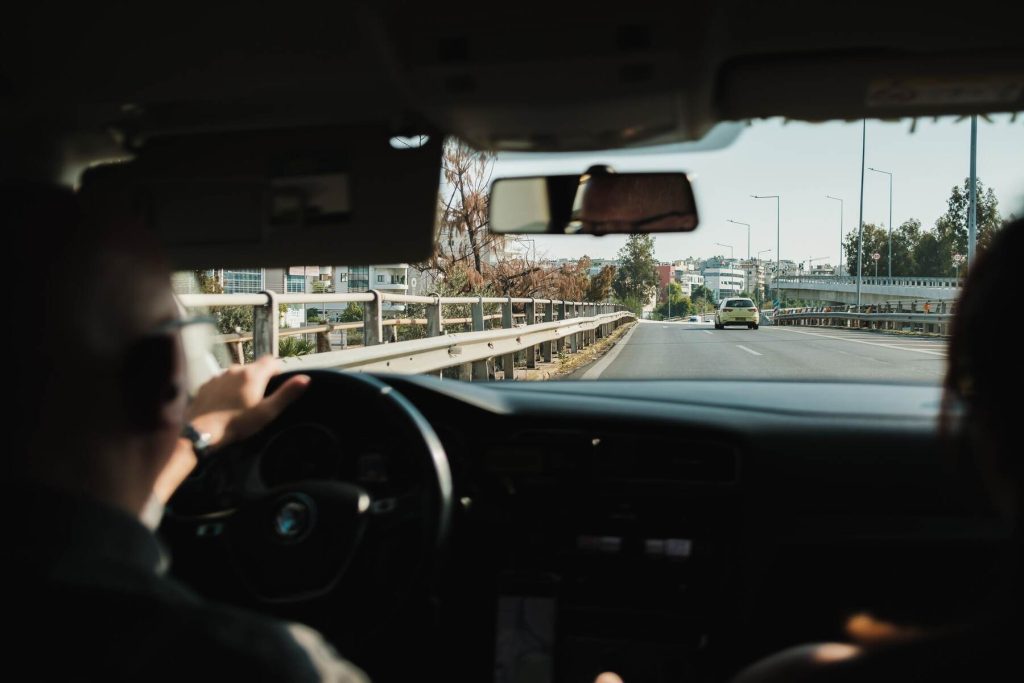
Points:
201	441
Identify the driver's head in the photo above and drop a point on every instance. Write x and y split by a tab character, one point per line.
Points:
986	374
101	396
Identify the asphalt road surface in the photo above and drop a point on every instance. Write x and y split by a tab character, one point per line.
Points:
681	350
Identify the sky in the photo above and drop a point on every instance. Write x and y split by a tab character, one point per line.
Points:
803	163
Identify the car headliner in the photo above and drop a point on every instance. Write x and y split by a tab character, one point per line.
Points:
527	77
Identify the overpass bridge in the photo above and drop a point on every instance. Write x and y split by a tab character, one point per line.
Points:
874	290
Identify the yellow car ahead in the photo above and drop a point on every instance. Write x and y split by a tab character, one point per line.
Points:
737	312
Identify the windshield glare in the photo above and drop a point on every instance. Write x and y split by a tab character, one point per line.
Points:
847	288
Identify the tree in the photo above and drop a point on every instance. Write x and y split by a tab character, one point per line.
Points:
464	243
930	257
572	281
229	318
323	287
701	298
353	313
701	292
601	284
637	275
874	239
675	303
951	227
904	243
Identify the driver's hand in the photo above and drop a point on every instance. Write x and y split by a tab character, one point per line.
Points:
229	407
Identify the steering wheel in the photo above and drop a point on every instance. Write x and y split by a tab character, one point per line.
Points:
339	506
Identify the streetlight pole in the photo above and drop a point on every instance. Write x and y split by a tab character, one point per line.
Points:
972	208
860	221
726	245
890	217
778	239
839	263
729	220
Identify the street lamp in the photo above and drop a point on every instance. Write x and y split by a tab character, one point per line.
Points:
840	261
778	242
726	245
890	217
729	220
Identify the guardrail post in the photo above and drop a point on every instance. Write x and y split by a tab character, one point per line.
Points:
435	325
323	341
560	342
595	332
239	352
480	371
435	328
531	319
508	361
265	332
373	328
549	316
574	339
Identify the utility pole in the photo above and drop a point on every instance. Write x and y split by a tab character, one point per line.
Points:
972	212
860	222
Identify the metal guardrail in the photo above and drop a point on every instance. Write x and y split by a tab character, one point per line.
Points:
937	323
459	349
540	329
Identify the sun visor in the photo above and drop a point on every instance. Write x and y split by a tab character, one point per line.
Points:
329	195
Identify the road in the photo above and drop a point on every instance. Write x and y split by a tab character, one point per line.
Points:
681	350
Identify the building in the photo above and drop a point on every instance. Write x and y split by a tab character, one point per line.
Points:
393	278
754	273
724	281
666	274
688	281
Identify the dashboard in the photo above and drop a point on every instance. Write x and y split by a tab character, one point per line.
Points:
678	530
665	530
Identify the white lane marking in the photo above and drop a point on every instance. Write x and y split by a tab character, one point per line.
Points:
707	331
895	347
602	365
741	346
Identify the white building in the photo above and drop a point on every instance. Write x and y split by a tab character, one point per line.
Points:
392	278
688	279
724	281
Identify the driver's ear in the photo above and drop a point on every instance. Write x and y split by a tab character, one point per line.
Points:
150	384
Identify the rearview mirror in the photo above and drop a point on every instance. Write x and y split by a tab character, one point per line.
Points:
598	202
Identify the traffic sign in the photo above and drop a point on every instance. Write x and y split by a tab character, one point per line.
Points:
876	256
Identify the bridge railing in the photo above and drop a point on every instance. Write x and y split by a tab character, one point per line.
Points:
901	281
535	329
929	323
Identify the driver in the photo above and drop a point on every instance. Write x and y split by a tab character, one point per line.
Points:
100	403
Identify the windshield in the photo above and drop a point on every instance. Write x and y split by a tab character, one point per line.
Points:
838	267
